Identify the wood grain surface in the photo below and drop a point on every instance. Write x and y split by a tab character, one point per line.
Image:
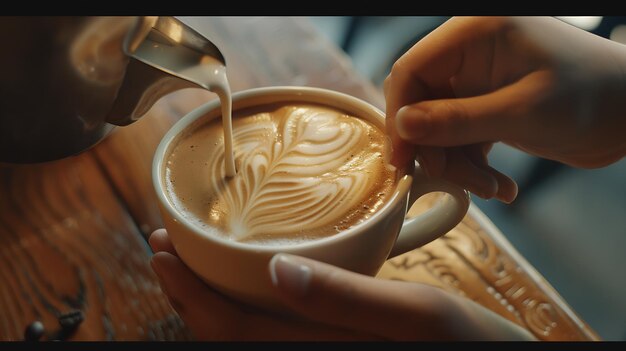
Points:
72	232
68	243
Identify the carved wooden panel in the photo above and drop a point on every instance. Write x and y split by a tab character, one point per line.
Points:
67	243
474	260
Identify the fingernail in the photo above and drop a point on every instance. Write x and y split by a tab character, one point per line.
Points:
510	197
290	275
405	126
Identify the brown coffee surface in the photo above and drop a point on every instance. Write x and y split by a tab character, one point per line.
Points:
304	172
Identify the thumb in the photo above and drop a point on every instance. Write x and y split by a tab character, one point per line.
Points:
499	115
344	299
389	309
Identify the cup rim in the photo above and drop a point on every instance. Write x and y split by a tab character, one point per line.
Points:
282	94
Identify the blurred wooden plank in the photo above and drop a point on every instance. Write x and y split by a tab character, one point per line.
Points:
67	243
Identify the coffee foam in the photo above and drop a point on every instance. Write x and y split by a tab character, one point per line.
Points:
303	172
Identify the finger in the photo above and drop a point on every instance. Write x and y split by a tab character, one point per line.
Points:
462	171
424	72
403	153
500	115
205	312
159	241
393	309
330	295
477	153
477	177
432	160
507	187
403	89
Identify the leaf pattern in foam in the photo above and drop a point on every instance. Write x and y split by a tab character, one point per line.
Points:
298	167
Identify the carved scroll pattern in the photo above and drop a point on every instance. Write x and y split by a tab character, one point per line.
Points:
469	262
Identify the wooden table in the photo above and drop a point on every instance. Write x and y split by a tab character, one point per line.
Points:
73	232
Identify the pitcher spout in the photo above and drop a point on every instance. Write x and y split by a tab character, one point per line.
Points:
165	55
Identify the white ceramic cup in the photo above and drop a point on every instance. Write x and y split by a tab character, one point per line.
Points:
240	270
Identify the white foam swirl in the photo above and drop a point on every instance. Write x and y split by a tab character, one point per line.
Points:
298	167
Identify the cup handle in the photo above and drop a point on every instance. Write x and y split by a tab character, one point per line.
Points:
447	212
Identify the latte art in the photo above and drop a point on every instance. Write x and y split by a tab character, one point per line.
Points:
303	172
